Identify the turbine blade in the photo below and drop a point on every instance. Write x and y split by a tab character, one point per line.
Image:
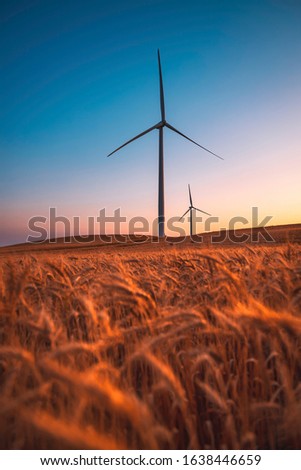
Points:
184	214
185	136
162	105
195	208
190	195
134	138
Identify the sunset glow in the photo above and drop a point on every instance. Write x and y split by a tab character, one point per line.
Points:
75	89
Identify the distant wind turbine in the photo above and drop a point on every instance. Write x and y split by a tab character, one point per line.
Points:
191	210
160	126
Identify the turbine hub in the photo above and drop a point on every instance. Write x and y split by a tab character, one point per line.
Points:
161	124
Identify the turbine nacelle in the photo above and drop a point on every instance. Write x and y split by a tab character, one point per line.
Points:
161	124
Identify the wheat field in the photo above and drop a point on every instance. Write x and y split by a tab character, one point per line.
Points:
163	349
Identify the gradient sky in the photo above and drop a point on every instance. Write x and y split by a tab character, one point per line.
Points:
78	78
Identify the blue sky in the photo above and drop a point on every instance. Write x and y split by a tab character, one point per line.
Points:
78	78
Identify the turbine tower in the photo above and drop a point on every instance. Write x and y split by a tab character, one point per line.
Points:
160	126
191	210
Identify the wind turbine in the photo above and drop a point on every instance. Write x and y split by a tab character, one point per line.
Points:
160	126
191	210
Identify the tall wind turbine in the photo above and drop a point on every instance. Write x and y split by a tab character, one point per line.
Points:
160	126
191	210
